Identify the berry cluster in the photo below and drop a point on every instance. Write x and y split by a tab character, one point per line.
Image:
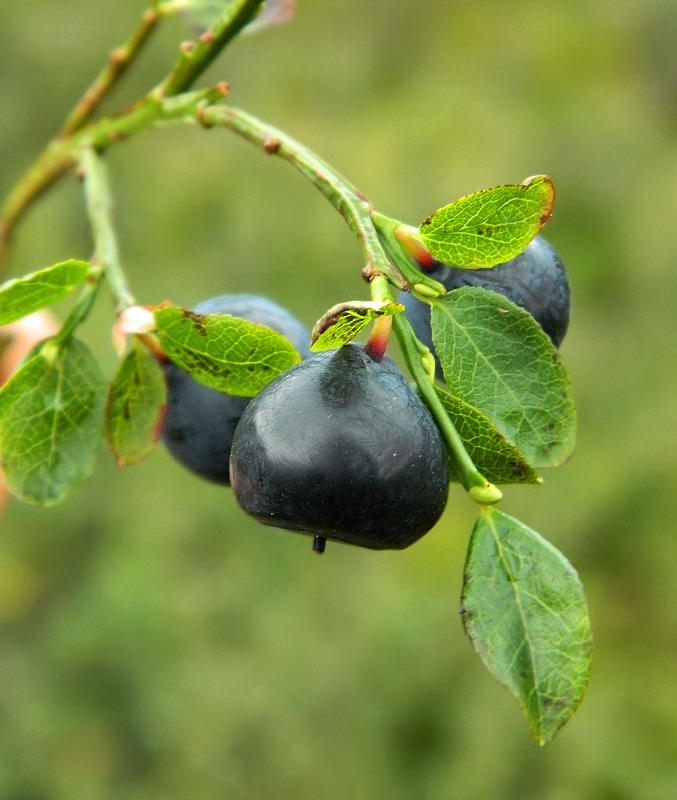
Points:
341	446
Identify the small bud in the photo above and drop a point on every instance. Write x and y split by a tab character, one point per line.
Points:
428	362
133	320
50	352
411	244
487	495
425	291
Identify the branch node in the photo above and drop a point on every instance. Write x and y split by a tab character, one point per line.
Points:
370	272
272	145
201	117
118	57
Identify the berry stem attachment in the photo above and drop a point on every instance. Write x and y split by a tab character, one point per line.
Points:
319	544
477	486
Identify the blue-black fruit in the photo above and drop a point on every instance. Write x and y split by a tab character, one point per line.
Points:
535	280
341	447
199	421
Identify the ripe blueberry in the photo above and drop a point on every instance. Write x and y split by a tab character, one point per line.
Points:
200	421
535	280
341	447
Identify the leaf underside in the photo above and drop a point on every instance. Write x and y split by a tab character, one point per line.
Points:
524	609
22	296
136	404
494	456
51	421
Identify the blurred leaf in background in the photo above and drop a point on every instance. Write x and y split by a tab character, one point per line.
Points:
156	644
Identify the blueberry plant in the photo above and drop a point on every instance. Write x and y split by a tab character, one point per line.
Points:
337	441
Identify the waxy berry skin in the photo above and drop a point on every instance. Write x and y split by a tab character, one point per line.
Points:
341	447
199	422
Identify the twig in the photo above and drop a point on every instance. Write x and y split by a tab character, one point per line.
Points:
118	62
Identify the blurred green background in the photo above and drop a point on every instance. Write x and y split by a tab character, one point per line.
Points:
156	644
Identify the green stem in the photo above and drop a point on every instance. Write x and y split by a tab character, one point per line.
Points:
195	57
352	204
60	155
84	305
100	212
381	290
473	481
118	62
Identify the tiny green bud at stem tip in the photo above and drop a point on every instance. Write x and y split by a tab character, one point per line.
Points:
50	352
428	362
424	291
487	495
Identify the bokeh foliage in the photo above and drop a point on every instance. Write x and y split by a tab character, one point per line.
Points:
155	643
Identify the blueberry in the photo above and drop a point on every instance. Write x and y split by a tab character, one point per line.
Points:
341	447
199	421
535	280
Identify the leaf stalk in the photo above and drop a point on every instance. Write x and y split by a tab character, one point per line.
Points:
100	211
479	488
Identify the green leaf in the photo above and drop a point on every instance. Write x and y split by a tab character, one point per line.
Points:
493	455
136	405
343	322
23	296
51	421
490	226
227	353
524	610
495	357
